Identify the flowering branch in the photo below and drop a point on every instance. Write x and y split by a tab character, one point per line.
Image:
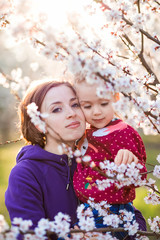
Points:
144	63
149	36
60	228
147	113
111	229
142	59
142	31
35	115
90	53
102	230
10	80
12	141
140	55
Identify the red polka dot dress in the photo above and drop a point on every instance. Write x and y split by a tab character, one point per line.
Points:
103	144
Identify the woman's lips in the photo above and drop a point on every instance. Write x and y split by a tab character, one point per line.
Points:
73	125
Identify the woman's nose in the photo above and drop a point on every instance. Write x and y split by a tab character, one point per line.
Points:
70	112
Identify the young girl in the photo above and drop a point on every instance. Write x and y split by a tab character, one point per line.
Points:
105	137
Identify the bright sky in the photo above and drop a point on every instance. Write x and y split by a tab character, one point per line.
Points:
56	9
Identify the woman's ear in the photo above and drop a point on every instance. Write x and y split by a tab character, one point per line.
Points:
116	97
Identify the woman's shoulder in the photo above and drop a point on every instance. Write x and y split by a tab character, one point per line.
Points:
24	164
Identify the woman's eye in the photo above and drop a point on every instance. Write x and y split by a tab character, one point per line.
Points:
104	104
55	110
75	105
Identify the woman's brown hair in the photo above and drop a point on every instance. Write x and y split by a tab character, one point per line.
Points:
37	94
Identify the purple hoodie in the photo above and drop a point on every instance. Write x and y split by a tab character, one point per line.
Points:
38	186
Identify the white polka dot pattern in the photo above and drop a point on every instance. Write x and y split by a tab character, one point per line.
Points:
106	148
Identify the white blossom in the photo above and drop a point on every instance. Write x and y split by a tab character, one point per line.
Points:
133	228
152	198
86	158
158	158
156	171
32	111
17	221
86	223
34	66
43	223
77	153
25	225
40	232
10	236
3	224
154	224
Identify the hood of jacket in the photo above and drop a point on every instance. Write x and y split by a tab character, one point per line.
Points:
62	163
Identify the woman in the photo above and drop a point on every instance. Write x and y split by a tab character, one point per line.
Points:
40	185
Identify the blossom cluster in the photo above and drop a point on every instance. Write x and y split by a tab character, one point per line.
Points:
154	224
36	116
15	82
123	175
60	226
105	41
5	13
152	198
109	219
85	47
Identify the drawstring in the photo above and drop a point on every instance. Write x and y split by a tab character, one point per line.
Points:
68	178
69	171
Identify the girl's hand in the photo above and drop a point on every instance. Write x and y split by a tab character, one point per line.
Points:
125	156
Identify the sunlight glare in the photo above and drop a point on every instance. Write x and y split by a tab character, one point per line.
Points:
56	11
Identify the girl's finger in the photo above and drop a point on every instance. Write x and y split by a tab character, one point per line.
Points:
119	157
135	159
125	156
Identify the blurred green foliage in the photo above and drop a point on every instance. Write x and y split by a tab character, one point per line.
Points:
8	154
8	157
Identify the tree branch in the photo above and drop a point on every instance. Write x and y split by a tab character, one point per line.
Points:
105	7
142	31
11	80
12	141
126	72
142	59
157	2
102	173
111	229
147	113
105	229
142	38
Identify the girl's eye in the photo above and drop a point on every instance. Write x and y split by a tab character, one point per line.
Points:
75	105
104	104
56	110
87	106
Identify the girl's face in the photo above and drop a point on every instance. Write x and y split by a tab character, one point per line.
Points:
98	111
66	122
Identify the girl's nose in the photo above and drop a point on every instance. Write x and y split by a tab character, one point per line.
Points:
96	110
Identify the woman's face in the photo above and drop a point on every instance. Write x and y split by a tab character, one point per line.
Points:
66	122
